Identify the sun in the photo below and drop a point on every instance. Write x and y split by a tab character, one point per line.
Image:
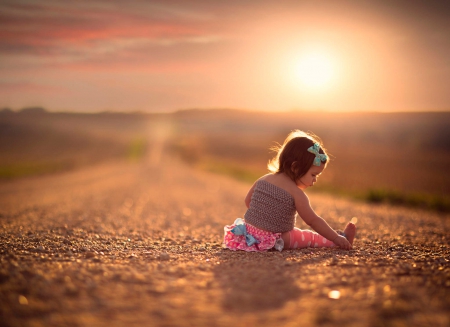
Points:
314	70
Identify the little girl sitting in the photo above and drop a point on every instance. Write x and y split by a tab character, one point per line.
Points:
275	198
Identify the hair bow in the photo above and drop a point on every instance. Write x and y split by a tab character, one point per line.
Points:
319	156
242	230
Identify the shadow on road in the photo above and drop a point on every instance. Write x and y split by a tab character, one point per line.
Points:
258	281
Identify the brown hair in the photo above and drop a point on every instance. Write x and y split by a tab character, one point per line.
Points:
292	157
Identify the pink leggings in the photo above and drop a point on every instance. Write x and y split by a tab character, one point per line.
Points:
306	238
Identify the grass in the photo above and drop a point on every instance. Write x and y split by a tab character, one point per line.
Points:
33	145
229	169
401	159
414	200
32	168
136	149
381	195
427	201
134	152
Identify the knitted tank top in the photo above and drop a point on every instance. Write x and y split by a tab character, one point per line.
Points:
271	208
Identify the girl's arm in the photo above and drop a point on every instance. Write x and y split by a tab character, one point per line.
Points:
248	198
311	218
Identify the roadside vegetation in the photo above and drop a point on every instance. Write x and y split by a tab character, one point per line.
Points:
396	158
34	142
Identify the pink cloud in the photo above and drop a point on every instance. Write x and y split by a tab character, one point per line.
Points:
29	87
43	29
237	46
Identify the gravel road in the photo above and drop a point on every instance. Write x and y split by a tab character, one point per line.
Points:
139	244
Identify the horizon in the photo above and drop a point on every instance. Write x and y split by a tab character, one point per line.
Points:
167	56
42	110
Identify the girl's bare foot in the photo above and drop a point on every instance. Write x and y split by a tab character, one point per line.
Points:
350	232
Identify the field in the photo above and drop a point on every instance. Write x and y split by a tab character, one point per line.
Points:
401	158
34	142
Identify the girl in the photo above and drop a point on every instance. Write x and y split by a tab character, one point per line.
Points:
275	198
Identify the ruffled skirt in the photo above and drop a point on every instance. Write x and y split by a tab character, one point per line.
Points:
264	240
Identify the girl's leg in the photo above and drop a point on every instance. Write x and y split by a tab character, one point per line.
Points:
297	239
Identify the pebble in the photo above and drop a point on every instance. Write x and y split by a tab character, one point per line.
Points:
90	254
156	272
333	261
23	300
164	256
71	289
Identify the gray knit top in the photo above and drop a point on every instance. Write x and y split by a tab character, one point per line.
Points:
271	208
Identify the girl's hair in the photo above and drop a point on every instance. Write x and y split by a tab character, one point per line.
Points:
293	157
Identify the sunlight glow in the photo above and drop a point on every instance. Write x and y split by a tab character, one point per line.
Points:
314	70
335	295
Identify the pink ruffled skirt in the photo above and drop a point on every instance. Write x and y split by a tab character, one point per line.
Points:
266	240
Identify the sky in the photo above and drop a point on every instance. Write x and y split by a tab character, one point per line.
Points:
167	55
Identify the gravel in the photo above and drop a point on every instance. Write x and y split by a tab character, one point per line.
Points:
132	244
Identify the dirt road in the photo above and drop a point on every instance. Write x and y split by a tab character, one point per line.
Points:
139	244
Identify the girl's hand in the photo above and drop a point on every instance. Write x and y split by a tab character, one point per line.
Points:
342	242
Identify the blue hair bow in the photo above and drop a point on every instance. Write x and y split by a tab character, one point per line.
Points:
242	230
319	156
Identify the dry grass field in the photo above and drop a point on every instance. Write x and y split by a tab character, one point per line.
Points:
402	158
33	142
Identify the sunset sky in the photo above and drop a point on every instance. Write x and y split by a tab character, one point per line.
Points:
165	55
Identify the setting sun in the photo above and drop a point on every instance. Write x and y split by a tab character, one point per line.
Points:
314	70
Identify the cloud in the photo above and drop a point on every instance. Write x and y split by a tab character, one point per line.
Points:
240	50
84	29
104	36
29	87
